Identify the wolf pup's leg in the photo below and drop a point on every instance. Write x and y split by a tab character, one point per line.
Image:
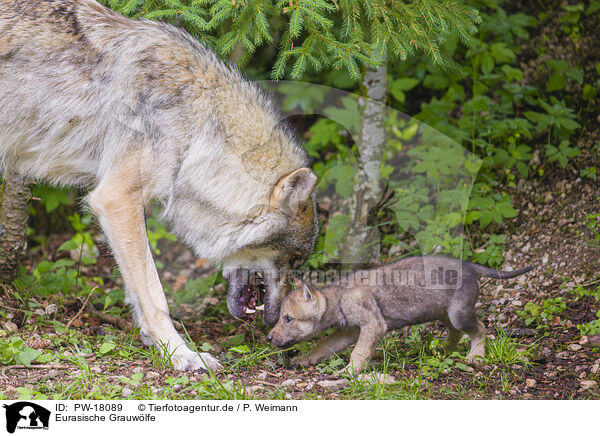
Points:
368	339
477	336
464	319
327	346
118	202
454	337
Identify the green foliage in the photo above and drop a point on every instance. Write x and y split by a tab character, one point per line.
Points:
14	352
504	351
157	231
63	275
52	197
316	33
590	328
542	315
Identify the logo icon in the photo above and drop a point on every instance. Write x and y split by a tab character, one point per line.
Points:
26	415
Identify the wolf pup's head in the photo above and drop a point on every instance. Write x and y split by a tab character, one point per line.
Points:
266	267
300	316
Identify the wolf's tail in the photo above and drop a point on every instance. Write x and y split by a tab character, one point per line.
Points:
495	274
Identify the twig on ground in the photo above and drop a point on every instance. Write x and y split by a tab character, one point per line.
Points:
82	307
593	282
6	368
110	319
266	383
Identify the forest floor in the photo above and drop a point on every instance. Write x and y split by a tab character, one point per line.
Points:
533	349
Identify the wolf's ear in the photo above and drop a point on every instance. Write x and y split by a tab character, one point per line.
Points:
306	293
293	190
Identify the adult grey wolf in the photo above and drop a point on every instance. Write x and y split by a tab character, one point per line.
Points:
137	110
367	304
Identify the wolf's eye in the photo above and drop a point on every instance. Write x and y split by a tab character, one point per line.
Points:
287	319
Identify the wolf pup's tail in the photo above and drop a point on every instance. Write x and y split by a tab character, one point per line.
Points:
490	272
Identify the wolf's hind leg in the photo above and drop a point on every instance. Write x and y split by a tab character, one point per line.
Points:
327	346
118	202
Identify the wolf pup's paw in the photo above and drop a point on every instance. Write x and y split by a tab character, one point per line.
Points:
187	360
303	361
475	361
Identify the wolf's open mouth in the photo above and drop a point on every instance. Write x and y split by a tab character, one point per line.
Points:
252	295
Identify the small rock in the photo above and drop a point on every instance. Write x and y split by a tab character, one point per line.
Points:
385	379
11	326
517	303
262	376
289	383
96	369
152	374
530	382
588	384
288	396
595	368
137	369
254	388
127	392
50	309
575	347
334	385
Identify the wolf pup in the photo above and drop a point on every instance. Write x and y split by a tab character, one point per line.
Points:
367	304
139	110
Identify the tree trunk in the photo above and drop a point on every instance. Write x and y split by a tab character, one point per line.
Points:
362	244
14	213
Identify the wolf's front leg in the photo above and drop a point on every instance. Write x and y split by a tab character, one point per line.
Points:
369	338
118	202
327	346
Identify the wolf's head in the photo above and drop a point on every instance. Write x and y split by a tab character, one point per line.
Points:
266	266
300	316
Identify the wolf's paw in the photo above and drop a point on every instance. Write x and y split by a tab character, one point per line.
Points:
187	360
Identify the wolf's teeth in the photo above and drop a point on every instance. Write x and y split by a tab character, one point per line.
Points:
250	311
261	307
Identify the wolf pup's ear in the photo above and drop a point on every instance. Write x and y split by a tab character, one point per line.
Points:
306	293
293	190
297	283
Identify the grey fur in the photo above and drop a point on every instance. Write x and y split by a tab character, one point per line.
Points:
139	110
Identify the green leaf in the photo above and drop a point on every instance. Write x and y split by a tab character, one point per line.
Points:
234	341
435	81
501	53
69	245
26	356
242	349
106	348
557	81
